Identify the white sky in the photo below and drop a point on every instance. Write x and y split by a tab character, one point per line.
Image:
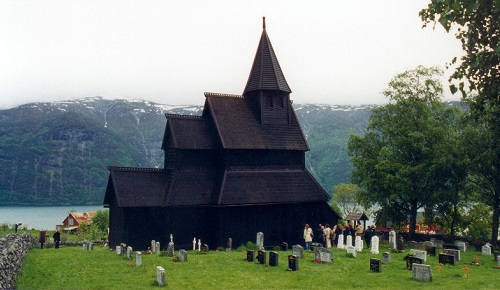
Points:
171	52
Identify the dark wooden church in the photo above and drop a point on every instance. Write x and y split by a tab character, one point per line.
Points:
236	170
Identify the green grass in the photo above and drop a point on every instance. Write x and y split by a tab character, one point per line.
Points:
74	268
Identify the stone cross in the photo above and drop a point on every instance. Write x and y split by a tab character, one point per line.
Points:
392	239
199	245
194	244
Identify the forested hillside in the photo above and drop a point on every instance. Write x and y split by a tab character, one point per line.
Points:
58	153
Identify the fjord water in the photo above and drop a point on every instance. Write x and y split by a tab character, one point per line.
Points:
41	217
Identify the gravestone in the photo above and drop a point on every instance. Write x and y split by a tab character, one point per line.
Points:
118	250
495	255
374	245
138	259
348	241
153	246
124	249
420	254
446	259
260	240
412	244
323	255
486	250
386	258
261	257
250	255
90	246
439	244
461	246
392	239
194	244
293	262
351	252
273	258
341	242
129	252
453	252
229	245
422	272
316	253
157	248
84	246
284	246
183	256
298	251
431	251
400	244
161	277
428	244
412	260
375	265
450	246
358	243
204	249
171	249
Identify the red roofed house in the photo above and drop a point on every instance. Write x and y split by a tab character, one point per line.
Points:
75	219
236	170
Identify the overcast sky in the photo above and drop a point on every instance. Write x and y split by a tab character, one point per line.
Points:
171	52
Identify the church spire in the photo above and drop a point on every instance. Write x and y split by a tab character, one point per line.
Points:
266	72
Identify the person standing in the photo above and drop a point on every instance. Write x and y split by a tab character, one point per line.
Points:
57	238
307	236
326	236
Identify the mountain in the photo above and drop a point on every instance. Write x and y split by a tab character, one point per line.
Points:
58	152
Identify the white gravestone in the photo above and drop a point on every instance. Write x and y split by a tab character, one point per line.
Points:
182	256
157	248
199	245
153	246
386	258
348	241
161	277
351	251
486	250
138	259
129	252
194	244
118	250
421	272
462	246
420	254
358	243
374	245
341	242
260	240
298	250
392	239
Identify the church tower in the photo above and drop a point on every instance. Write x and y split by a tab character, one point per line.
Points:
267	90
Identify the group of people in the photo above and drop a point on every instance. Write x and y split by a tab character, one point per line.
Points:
329	237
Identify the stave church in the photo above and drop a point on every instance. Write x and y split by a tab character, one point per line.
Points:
236	170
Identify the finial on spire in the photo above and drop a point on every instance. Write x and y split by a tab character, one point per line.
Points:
264	22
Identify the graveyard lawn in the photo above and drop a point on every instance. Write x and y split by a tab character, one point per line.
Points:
75	268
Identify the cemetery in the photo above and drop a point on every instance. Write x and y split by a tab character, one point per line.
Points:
387	267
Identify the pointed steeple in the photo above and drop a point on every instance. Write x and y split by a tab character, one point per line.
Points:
266	72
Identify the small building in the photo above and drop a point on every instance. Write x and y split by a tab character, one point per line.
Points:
75	219
356	218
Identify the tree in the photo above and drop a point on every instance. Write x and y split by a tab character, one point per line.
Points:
346	197
477	27
398	162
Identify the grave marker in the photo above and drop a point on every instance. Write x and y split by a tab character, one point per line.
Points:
375	265
273	258
486	250
250	255
260	240
422	272
400	245
431	251
351	252
461	246
348	241
118	250
204	249
183	255
161	277
129	252
358	243
298	251
284	246
293	262
392	239
157	248
386	258
261	257
412	260
420	254
153	246
453	252
341	242
229	245
446	259
138	259
374	245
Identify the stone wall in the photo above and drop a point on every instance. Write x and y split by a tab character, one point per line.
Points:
13	249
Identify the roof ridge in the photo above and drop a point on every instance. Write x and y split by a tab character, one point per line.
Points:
209	94
123	168
183	116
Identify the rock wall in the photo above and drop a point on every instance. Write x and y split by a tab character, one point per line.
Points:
13	249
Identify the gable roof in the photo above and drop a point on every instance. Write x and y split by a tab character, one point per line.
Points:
190	132
266	73
356	216
238	127
136	187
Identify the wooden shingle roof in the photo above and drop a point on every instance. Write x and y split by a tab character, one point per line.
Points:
136	187
356	216
238	127
266	73
270	186
191	132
